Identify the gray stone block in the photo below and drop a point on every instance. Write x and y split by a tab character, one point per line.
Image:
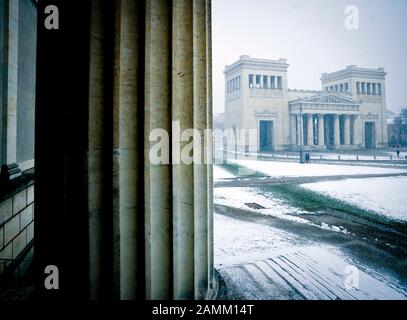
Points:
26	216
30	194
19	201
30	232
11	229
19	243
6	210
7	253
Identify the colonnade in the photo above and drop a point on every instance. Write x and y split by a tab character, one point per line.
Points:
325	129
115	224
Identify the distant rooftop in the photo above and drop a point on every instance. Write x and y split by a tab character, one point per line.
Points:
256	63
354	71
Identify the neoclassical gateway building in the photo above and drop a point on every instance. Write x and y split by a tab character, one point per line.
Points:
349	111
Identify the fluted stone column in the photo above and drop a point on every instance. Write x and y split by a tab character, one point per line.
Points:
347	130
310	130
157	102
327	131
336	131
300	131
321	128
10	76
293	129
96	163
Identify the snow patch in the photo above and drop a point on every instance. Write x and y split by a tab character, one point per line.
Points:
220	173
386	196
292	169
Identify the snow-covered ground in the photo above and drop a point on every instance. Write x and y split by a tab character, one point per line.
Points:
365	155
292	169
239	241
262	262
239	197
221	173
386	196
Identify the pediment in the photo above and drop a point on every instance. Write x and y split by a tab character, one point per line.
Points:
328	98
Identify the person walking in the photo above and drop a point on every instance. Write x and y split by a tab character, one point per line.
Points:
398	151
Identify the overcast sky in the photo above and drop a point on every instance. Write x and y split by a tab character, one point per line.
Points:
311	34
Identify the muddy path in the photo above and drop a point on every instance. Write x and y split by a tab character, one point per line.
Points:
259	181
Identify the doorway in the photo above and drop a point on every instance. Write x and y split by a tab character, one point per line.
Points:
266	135
370	135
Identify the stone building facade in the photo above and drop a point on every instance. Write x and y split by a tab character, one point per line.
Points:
349	112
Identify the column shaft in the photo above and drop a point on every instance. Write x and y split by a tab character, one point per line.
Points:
321	128
209	111
201	183
293	129
183	198
310	130
300	139
336	130
157	110
127	143
10	63
347	130
98	166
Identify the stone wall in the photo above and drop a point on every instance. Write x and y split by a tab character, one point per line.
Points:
16	224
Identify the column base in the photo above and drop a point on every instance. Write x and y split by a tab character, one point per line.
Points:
9	172
308	148
346	147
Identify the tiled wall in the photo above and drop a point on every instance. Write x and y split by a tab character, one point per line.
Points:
16	224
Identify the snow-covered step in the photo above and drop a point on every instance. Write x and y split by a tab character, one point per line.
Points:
312	273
